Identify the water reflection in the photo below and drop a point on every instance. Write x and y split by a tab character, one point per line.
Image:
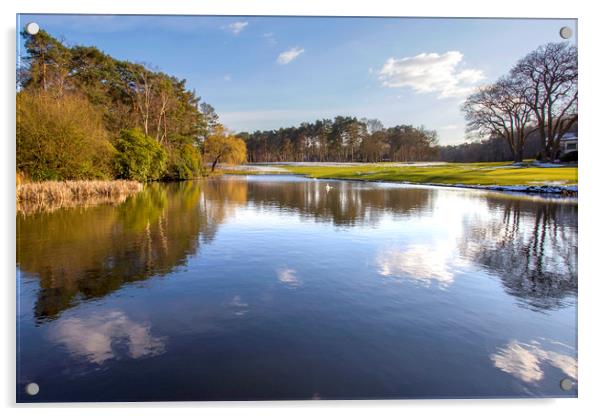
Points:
239	307
96	338
422	263
87	253
531	246
288	276
527	360
90	252
275	276
156	230
341	203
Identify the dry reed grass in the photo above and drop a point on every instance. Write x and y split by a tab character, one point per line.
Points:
51	195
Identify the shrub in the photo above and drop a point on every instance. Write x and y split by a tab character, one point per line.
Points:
139	157
61	138
184	160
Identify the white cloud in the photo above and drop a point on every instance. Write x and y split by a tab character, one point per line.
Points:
237	27
288	56
431	72
227	77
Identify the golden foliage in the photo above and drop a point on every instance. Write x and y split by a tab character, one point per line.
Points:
224	147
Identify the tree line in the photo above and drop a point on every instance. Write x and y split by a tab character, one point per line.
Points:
84	114
524	114
538	97
342	139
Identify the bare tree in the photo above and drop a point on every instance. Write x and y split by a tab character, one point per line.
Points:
143	95
165	92
549	75
372	125
501	109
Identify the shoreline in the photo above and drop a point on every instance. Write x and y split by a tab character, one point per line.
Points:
530	177
559	190
562	190
51	195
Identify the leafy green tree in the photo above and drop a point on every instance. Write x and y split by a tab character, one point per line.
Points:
210	119
184	160
47	63
139	156
126	95
61	138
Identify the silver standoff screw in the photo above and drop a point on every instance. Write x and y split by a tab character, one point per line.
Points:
32	28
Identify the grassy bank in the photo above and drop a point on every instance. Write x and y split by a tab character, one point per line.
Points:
49	195
502	173
497	173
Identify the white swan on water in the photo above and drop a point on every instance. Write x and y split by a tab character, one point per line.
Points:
328	187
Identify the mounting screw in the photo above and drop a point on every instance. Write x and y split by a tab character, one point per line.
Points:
32	28
566	32
566	384
32	389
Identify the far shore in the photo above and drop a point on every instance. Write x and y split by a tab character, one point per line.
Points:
528	177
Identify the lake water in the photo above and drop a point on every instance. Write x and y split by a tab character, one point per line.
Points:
280	287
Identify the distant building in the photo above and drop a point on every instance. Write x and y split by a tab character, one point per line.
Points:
568	143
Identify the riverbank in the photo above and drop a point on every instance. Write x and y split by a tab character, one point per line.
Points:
502	176
50	195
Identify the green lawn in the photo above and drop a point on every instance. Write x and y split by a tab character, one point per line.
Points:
453	173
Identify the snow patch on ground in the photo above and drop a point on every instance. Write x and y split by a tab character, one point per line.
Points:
570	190
537	164
534	164
552	183
256	168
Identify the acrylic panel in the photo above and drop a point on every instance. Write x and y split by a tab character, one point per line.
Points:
295	208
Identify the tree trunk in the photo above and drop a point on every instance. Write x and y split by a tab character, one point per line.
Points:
518	155
214	164
545	153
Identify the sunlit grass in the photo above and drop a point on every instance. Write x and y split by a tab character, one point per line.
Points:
498	173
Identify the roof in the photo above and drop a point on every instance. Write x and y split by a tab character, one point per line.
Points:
569	136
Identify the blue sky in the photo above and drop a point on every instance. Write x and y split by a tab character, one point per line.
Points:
271	72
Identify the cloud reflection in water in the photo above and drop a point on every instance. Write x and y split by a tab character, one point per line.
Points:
288	276
420	262
526	361
95	338
240	308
